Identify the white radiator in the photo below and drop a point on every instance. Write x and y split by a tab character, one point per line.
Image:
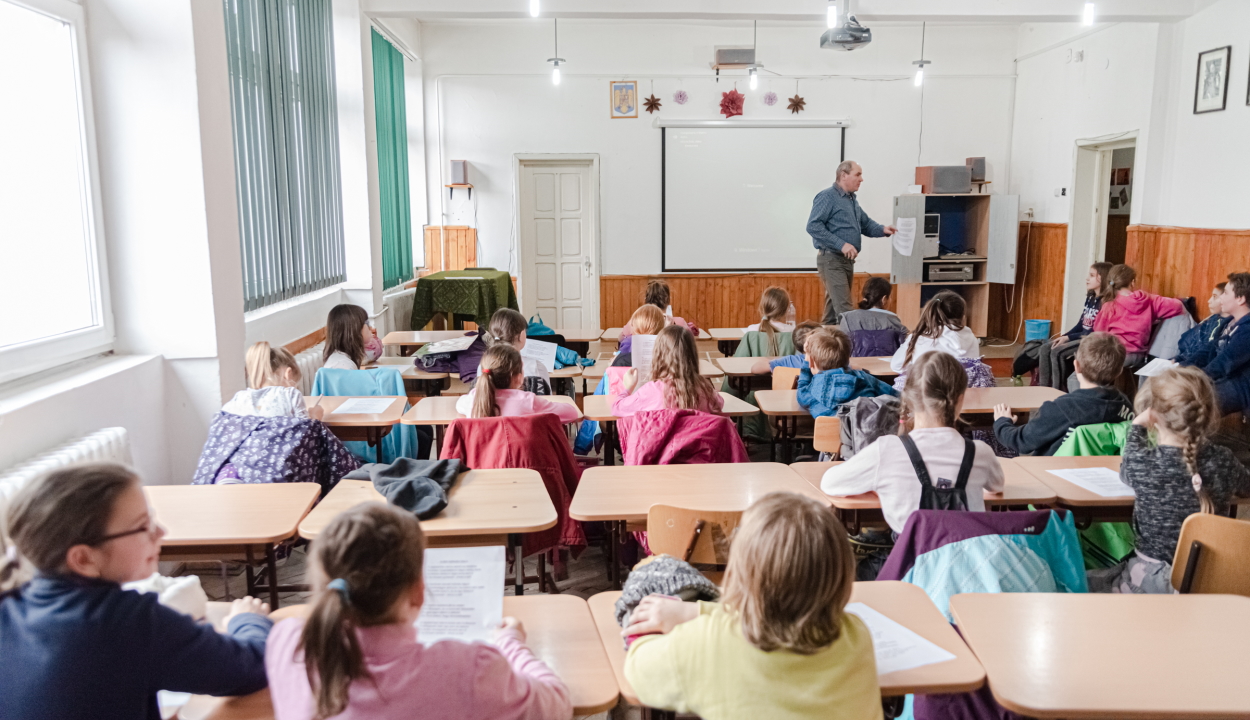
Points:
396	312
309	361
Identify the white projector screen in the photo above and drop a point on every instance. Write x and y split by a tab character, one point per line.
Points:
738	198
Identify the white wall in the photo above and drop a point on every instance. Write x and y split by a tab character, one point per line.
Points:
489	96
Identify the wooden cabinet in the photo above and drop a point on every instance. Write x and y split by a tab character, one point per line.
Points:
976	231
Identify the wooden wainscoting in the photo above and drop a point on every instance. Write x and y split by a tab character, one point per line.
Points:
1183	262
1041	259
461	243
718	300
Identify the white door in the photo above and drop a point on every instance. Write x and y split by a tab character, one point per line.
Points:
559	260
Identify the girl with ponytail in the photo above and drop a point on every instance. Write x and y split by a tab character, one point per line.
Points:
874	331
658	294
1130	314
509	327
774	308
497	390
1175	473
273	386
943	326
357	655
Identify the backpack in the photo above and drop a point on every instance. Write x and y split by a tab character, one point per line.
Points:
941	496
865	419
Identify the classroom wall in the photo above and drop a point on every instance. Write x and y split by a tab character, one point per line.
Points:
488	96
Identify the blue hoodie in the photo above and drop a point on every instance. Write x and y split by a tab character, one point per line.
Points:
822	393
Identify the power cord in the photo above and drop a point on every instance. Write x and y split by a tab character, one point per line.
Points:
1024	274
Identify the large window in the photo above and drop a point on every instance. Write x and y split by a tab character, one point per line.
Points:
53	291
392	133
286	148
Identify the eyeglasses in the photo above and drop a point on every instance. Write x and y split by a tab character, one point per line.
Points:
151	528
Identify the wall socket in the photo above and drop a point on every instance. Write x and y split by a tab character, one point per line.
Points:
1061	192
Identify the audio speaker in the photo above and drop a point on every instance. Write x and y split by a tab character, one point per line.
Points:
977	165
944	179
459	172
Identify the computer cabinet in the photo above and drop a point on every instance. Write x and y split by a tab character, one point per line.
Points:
986	225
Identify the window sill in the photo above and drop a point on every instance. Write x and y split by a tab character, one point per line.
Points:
65	378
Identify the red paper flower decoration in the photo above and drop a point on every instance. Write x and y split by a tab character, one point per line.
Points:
731	103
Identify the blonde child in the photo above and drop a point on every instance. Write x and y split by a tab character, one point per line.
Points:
828	380
675	380
646	320
350	342
659	294
779	644
774	308
509	326
943	326
1178	474
273	386
357	654
73	644
497	391
893	466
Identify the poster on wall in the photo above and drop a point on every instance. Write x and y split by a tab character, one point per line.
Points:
1211	88
624	97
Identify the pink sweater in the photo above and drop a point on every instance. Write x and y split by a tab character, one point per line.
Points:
411	681
1132	317
520	402
651	397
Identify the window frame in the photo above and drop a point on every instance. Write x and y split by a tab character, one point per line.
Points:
43	353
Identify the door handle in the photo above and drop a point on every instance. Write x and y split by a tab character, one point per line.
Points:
589	268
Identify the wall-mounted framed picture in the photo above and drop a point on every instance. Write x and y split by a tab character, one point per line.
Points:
624	96
1211	85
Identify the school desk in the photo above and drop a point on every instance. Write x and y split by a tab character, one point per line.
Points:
903	603
370	427
213	522
408	341
559	630
741	367
428	384
783	410
1094	656
624	494
439	412
613	335
599	409
1019	399
727	339
576	339
484	507
1086	506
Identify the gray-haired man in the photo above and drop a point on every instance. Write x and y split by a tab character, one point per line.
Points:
835	225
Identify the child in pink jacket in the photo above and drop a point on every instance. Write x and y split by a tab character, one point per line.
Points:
1130	314
359	643
498	393
675	381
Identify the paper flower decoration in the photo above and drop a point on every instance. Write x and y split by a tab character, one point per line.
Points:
680	97
796	104
651	104
770	98
731	103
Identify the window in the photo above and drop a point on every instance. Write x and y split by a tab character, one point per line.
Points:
54	293
286	148
392	132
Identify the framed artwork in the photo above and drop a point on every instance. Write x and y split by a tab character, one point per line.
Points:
624	97
1121	176
1211	85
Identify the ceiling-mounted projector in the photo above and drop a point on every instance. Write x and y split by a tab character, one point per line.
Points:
850	35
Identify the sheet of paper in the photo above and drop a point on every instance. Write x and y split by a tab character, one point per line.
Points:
1100	481
897	647
544	353
363	406
904	237
463	594
1155	367
452	345
640	355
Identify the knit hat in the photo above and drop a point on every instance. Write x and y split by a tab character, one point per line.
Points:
664	575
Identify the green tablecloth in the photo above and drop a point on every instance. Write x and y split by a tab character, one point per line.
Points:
480	296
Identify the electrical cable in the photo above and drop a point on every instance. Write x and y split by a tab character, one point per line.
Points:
1028	239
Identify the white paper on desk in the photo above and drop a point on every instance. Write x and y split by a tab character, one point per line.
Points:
640	356
1099	480
452	345
171	702
363	406
463	594
544	353
1156	367
896	647
904	237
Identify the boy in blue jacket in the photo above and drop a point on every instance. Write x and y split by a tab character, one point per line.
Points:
1227	361
828	381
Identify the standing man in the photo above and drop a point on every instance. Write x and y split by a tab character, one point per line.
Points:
836	223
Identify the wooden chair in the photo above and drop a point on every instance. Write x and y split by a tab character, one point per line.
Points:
828	436
785	378
696	536
1212	556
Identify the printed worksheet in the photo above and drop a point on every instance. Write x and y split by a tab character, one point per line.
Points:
363	406
542	352
896	647
1155	367
640	356
904	238
463	594
1100	481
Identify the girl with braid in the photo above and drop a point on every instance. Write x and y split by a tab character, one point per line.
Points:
1175	473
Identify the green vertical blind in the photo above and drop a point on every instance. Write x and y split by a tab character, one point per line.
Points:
286	148
392	127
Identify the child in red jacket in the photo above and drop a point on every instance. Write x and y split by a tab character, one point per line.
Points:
1130	314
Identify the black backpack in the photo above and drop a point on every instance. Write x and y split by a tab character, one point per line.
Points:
942	496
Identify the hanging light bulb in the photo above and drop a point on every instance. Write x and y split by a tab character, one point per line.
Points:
555	73
755	77
919	80
555	61
533	8
831	14
1087	17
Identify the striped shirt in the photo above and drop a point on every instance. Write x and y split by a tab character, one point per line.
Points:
837	219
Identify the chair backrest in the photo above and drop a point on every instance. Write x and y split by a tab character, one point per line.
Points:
828	435
1212	556
696	536
785	378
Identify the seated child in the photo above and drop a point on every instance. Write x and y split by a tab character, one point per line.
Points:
659	294
779	644
497	391
350	342
763	366
357	654
942	326
828	381
273	382
675	380
1131	314
1099	361
1180	473
508	326
1054	357
73	644
774	309
874	331
932	402
646	320
1200	342
1227	362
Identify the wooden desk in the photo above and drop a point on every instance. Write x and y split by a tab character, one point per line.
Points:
875	366
370	427
1020	399
1085	505
903	603
220	521
783	410
425	383
599	409
613	335
439	412
408	341
1061	655
727	339
577	339
484	507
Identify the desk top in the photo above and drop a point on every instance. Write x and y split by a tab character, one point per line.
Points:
726	333
879	366
417	338
739	366
481	502
599	407
1070	494
1061	655
576	334
904	603
1029	398
628	492
1022	488
780	402
614	335
239	514
332	419
707	369
441	410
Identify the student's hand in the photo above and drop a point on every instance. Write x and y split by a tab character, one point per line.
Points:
761	367
1002	411
245	605
657	614
1059	341
890	229
629	379
316	412
510	626
849	251
1146	418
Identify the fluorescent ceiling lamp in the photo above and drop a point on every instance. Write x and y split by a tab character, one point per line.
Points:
1087	17
555	73
533	8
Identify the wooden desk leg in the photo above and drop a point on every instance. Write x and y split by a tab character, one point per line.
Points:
271	559
609	442
438	442
514	539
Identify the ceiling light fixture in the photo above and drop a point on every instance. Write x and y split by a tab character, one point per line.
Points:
831	15
1087	17
753	71
533	8
921	62
555	61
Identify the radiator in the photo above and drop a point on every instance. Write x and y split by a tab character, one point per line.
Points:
309	361
397	311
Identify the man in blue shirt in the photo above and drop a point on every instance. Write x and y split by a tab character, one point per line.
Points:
836	223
